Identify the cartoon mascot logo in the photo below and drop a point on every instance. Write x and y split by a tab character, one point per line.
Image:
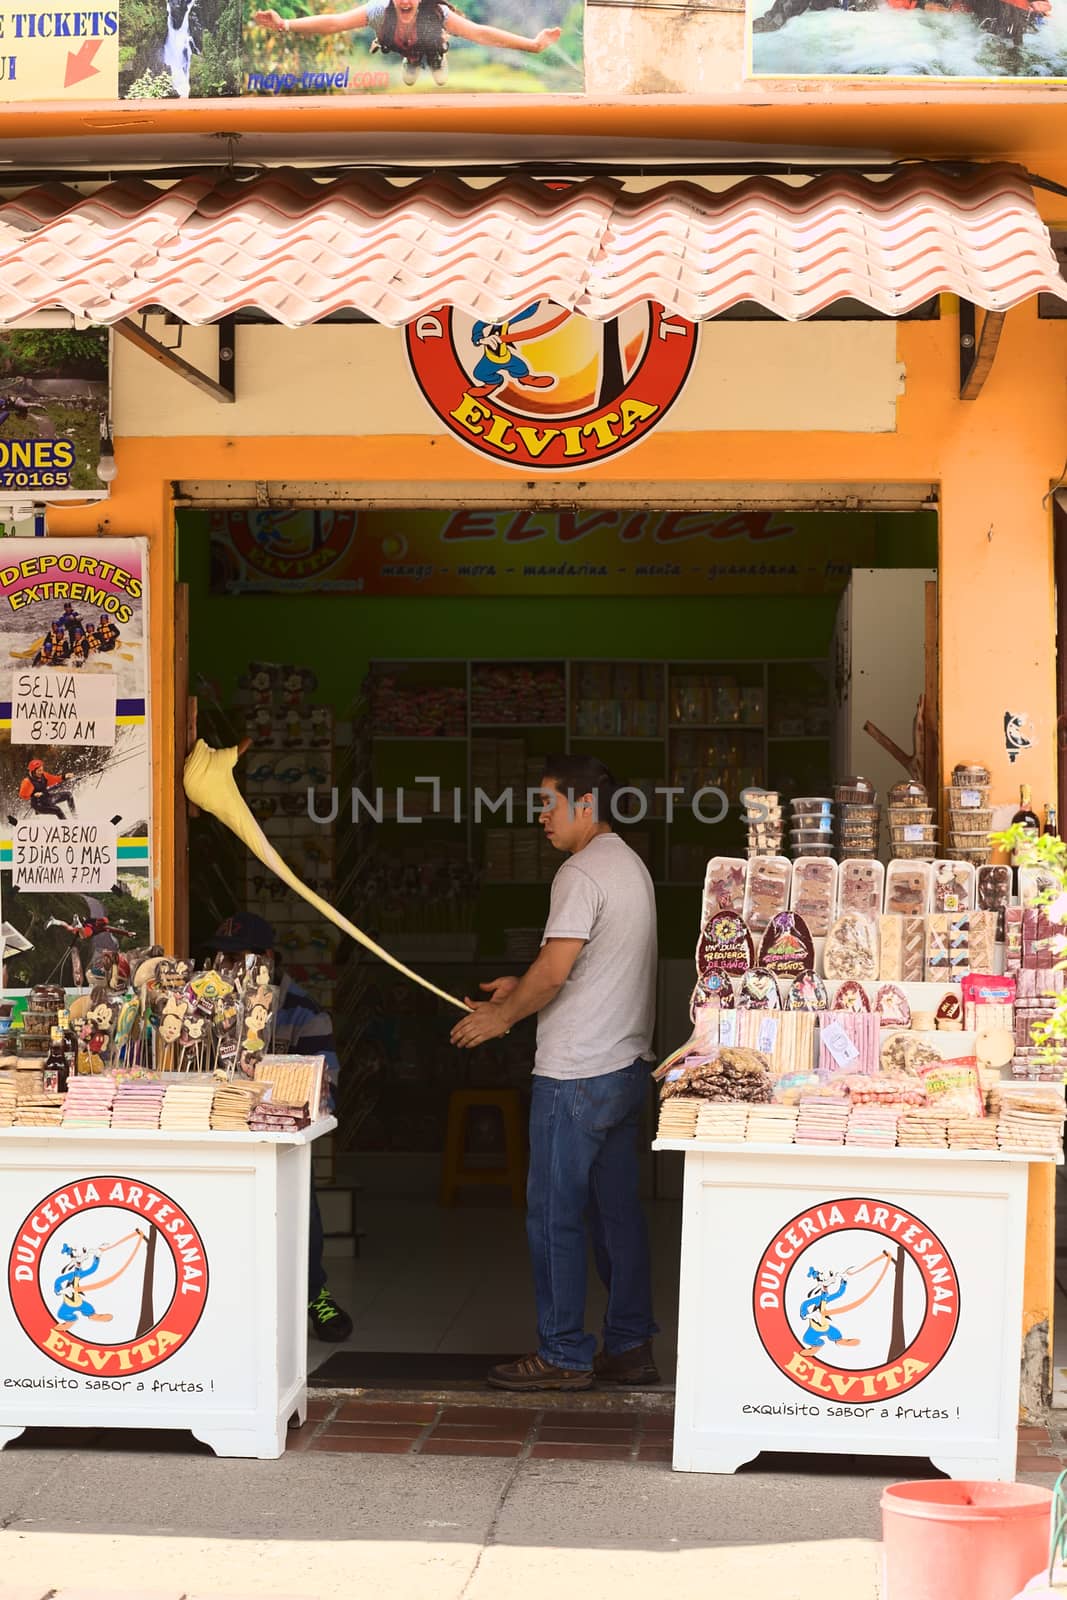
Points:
856	1300
108	1277
548	390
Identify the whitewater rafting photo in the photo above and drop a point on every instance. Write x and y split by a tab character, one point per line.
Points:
986	40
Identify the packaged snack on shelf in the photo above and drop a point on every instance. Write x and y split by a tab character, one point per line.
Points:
947	948
1013	938
814	892
713	991
766	890
851	996
983	940
725	946
807	993
1036	885
907	888
953	1087
952	886
758	991
884	1089
860	887
988	1001
787	948
903	1054
993	889
724	886
891	1004
852	948
848	1042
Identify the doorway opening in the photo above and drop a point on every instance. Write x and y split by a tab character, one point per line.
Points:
392	667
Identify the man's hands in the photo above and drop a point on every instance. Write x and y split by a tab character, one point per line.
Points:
482	1024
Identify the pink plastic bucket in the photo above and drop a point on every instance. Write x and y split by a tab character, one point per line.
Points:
963	1541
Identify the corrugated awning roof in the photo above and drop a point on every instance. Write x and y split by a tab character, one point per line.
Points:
298	250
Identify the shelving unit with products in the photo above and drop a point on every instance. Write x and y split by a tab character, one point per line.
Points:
690	725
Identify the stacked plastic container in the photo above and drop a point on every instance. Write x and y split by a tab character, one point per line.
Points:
912	829
811	828
858	820
970	815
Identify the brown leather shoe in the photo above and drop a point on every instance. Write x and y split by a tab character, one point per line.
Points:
530	1372
637	1366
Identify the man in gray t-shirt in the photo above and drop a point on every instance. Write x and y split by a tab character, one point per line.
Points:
593	989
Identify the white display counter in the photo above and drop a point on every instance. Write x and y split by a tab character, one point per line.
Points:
853	1301
156	1280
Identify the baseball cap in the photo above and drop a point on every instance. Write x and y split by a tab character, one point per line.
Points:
243	931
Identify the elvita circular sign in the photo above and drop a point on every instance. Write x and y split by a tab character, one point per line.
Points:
856	1300
108	1277
547	390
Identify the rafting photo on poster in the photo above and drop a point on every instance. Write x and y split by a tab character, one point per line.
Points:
987	40
302	47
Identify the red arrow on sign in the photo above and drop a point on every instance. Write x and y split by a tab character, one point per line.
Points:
80	62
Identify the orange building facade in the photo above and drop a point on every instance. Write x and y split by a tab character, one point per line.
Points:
766	420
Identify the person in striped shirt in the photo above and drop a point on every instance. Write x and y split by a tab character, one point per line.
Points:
301	1028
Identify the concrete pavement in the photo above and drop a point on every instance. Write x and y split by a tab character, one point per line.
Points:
162	1519
166	1521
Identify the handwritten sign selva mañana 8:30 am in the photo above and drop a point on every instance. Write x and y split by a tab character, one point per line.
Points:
62	708
48	855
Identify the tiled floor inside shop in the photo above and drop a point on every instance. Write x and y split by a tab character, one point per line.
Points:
458	1280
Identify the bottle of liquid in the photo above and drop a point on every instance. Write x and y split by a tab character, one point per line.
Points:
1051	825
1027	819
70	1043
56	1069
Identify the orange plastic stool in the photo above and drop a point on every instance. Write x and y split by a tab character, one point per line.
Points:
512	1175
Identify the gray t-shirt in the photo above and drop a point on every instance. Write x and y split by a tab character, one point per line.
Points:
602	1018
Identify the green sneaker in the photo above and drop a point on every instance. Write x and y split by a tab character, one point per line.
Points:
326	1319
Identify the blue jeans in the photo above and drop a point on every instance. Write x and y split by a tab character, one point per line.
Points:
584	1170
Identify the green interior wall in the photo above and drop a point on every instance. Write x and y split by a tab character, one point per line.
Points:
338	637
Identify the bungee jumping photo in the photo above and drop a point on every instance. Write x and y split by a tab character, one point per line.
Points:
488	46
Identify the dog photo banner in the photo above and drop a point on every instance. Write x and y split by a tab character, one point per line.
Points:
983	40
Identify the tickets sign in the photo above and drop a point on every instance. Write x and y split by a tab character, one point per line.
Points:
50	52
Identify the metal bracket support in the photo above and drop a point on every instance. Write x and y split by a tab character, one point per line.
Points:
223	389
977	350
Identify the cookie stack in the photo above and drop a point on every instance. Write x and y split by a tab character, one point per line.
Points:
89	1102
772	1124
233	1105
40	1110
186	1107
926	1130
972	1133
1029	1117
722	1121
138	1103
822	1120
678	1118
873	1126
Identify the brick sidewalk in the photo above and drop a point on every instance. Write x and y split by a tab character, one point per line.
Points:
429	1428
432	1428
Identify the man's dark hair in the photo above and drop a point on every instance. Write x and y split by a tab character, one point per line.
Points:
578	775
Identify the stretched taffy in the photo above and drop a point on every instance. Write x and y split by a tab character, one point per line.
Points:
209	784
